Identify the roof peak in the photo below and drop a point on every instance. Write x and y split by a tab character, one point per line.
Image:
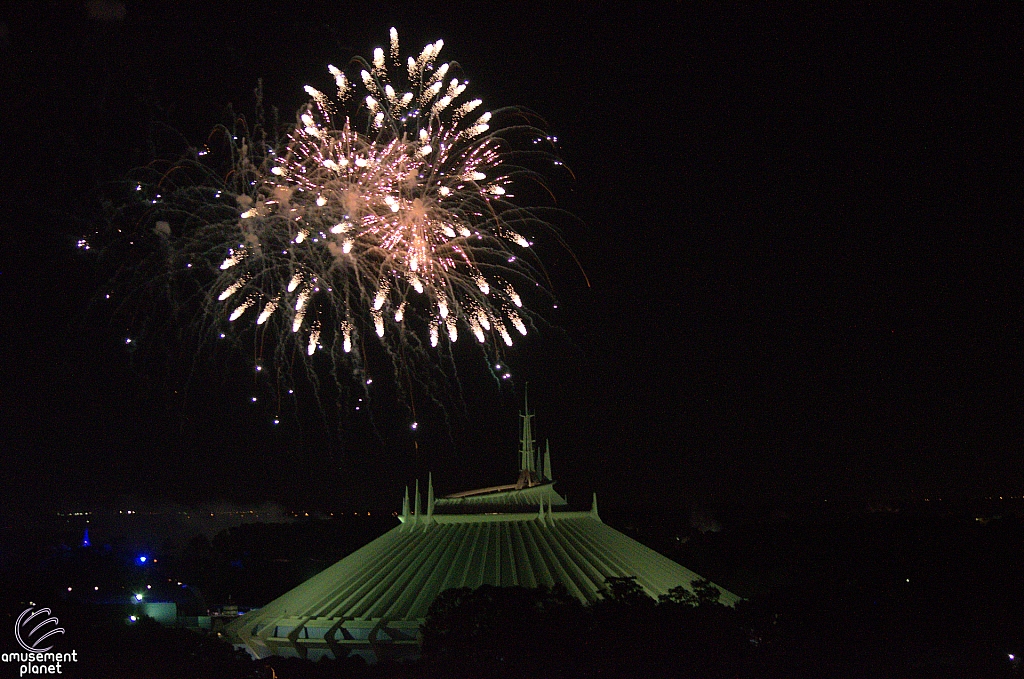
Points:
530	471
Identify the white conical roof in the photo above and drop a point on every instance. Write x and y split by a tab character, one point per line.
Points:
374	600
383	590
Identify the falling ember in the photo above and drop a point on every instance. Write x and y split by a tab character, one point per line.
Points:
378	300
297	322
453	330
294	282
231	261
517	322
240	309
514	296
481	318
504	335
481	283
433	334
378	322
347	332
232	289
519	240
314	337
267	311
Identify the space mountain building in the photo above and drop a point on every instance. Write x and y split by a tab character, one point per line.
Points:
373	601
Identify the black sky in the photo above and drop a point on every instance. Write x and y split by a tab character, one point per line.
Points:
802	232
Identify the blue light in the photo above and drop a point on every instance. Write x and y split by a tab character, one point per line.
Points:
143	559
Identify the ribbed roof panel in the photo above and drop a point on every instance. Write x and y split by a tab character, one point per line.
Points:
398	575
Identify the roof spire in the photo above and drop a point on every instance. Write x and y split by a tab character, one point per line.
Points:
593	508
527	453
547	460
405	504
418	508
430	495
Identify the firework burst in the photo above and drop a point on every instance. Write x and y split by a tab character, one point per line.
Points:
385	214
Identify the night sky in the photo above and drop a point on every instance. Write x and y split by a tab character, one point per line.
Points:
802	234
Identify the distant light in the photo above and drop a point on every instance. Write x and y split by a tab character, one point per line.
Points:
142	559
138	597
132	618
253	399
277	421
497	367
415	424
149	586
222	335
69	589
369	381
1012	657
95	589
291	391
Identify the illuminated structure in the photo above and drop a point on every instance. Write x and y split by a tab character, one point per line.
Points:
373	601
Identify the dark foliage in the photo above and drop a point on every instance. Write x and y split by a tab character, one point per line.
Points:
516	632
511	631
